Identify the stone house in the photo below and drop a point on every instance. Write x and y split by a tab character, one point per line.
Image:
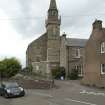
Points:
94	67
72	54
51	50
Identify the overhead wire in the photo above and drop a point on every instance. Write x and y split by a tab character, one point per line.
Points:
43	17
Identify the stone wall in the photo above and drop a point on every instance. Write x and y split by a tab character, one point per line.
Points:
41	68
74	61
92	64
63	54
94	58
37	50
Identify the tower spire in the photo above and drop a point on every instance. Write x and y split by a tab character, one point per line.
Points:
53	4
53	15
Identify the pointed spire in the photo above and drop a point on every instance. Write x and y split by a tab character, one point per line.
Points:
53	4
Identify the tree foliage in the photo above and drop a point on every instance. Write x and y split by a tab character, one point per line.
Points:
58	72
9	67
73	75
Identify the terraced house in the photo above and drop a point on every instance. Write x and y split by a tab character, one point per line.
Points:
52	50
94	68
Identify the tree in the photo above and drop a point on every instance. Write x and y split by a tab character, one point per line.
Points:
58	72
2	69
74	74
9	67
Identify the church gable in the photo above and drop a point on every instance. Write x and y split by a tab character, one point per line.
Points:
50	51
37	50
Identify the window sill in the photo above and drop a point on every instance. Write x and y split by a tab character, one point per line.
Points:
102	73
102	52
76	57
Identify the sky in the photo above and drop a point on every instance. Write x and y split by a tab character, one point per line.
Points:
22	21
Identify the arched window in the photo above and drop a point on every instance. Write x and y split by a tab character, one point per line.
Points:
103	47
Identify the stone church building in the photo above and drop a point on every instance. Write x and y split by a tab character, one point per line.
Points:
52	50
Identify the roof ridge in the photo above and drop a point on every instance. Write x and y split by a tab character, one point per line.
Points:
78	38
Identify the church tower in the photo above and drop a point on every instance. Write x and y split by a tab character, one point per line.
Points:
53	21
53	36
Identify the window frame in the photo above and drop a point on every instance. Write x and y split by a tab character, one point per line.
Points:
77	53
80	70
102	69
102	47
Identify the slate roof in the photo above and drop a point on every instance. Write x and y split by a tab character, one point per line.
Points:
76	42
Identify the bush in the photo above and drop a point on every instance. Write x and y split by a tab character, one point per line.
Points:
2	69
73	75
58	72
9	67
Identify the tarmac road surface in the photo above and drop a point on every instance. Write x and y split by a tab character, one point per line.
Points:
68	93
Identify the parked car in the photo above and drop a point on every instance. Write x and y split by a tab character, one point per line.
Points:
11	89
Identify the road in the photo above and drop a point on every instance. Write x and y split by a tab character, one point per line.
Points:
68	93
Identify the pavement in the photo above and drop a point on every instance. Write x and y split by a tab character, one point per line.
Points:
67	93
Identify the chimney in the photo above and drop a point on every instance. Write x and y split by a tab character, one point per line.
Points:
97	24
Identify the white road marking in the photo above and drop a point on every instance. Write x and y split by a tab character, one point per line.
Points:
92	93
82	102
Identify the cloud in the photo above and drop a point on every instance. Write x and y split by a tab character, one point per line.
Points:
29	15
11	43
77	17
24	21
25	16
